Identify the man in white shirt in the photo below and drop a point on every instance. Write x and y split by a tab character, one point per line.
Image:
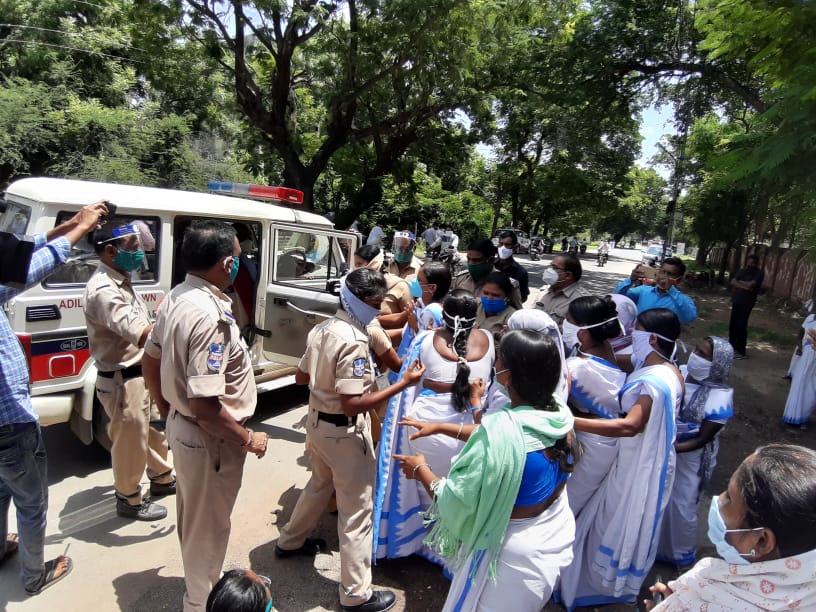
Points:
376	236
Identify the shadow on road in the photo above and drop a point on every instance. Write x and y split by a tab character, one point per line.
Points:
147	590
90	515
67	456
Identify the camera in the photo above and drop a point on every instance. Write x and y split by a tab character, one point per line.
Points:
15	257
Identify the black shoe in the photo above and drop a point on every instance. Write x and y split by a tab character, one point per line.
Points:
378	602
146	511
310	548
158	489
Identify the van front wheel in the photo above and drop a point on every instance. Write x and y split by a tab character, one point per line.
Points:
100	426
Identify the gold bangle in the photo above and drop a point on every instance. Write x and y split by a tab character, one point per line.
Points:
413	475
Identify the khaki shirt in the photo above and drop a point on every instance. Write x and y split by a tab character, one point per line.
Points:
116	317
493	323
397	295
338	362
378	339
556	304
410	272
201	350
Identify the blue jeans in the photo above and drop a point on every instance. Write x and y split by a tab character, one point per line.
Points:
23	479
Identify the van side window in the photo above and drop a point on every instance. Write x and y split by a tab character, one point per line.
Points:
306	258
83	261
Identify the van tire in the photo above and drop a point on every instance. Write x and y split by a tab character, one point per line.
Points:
100	426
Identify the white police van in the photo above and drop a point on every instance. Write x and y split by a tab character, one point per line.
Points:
288	280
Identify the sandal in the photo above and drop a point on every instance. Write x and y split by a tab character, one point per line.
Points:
50	576
11	546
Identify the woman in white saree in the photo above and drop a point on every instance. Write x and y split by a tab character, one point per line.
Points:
616	533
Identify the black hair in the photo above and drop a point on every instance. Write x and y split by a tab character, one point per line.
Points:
677	262
237	592
366	284
664	322
572	265
206	242
509	234
778	483
368	251
591	310
462	304
534	362
485	246
502	281
437	273
104	235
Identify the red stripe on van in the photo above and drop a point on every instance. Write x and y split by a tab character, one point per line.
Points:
58	365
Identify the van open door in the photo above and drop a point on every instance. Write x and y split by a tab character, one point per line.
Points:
305	267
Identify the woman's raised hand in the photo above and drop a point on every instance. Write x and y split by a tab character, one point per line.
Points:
423	429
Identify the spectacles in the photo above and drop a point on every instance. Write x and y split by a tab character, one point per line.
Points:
554	267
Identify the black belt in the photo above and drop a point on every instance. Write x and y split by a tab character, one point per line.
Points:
340	420
134	371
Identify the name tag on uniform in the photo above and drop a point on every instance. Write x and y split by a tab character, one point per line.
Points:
359	366
382	382
215	357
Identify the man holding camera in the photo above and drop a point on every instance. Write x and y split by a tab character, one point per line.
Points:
22	450
118	323
664	293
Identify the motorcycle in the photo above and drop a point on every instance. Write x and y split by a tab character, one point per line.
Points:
602	259
536	249
583	248
451	258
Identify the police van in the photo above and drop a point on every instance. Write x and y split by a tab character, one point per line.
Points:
288	280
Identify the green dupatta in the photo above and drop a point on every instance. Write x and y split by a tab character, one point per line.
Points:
472	506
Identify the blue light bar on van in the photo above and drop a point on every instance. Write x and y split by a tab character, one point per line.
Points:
283	194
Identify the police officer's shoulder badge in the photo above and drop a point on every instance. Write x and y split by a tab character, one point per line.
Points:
359	366
215	357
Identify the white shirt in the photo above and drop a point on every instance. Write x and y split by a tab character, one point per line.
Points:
376	236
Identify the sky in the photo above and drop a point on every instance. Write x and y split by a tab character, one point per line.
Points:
655	123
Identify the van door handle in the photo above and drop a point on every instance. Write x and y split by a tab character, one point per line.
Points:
308	313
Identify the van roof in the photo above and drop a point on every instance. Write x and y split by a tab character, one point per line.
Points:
79	193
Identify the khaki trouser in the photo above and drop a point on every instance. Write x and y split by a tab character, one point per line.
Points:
208	473
134	443
342	460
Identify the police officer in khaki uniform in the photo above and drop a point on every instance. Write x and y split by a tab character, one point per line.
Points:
397	304
405	264
199	371
481	255
118	323
338	368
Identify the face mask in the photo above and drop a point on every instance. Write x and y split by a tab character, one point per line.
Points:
493	305
550	276
236	263
416	288
570	335
505	253
479	270
497	385
403	257
717	531
641	348
698	368
128	260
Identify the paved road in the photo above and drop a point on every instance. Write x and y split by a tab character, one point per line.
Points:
121	565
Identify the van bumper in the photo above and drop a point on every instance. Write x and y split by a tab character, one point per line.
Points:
53	408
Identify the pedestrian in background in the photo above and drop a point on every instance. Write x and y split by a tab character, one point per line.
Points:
23	465
200	374
118	323
745	287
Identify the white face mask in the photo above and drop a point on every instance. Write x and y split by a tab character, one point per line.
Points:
550	276
505	253
641	347
698	368
569	333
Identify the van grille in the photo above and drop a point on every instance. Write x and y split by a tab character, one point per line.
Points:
49	312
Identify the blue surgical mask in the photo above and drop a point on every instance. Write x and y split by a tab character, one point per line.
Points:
128	260
236	263
416	288
717	531
493	305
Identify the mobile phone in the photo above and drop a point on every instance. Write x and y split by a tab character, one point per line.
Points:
649	272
